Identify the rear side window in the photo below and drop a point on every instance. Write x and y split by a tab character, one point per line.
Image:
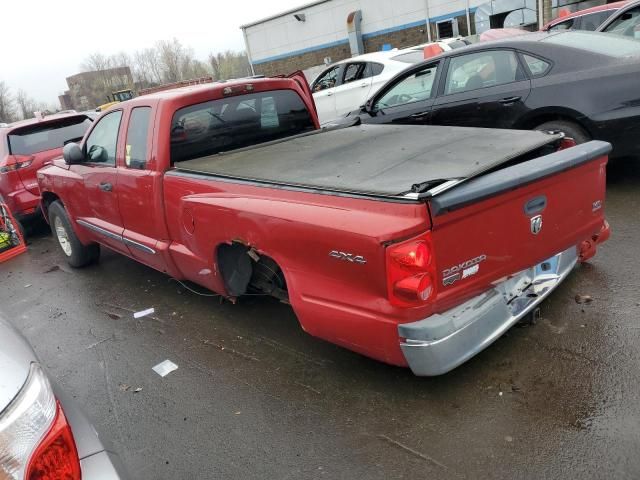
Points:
137	135
566	25
41	137
353	72
235	122
592	21
480	70
375	69
536	66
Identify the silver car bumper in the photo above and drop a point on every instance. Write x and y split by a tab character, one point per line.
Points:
101	466
441	342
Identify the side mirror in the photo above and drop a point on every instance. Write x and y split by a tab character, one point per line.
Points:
72	154
370	108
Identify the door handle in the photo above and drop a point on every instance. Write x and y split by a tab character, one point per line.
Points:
363	85
329	94
105	187
419	115
509	100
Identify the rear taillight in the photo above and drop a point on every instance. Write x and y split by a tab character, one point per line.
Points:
411	272
35	439
566	142
14	162
56	458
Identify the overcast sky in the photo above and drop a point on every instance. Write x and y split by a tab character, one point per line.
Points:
43	41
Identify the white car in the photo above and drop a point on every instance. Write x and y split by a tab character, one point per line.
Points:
346	85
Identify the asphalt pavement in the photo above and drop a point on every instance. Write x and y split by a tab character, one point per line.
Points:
254	397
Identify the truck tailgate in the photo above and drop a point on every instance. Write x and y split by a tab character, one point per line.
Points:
496	225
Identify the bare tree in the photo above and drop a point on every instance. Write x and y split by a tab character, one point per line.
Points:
229	65
26	105
171	55
7	109
146	67
95	62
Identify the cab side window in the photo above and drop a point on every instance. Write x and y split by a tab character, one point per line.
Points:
137	135
103	140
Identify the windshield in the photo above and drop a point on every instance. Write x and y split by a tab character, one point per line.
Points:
413	88
236	122
603	44
47	136
627	24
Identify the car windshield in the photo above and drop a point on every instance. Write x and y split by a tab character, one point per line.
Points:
41	137
603	44
627	24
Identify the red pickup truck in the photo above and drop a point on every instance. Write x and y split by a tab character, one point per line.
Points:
417	246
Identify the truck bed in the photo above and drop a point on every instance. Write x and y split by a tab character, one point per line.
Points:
383	160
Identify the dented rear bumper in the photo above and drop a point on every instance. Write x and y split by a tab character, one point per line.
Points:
441	342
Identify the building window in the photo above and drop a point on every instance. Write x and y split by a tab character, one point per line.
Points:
447	28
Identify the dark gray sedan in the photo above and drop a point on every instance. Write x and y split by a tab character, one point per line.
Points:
584	84
43	434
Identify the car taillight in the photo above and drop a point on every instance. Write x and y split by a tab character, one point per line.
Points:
36	442
14	162
410	272
566	142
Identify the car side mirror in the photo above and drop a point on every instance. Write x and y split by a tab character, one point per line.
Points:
369	108
72	154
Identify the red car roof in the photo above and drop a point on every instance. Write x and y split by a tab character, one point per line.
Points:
586	11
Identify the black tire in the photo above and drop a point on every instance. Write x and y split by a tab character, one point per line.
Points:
23	232
77	254
570	129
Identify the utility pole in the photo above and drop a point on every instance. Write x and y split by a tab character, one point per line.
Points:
426	14
546	11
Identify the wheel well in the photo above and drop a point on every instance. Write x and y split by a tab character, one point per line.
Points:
541	118
47	199
245	271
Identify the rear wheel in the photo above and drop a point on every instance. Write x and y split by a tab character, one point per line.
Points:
77	254
570	129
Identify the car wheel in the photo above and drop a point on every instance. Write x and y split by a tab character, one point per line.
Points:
77	254
570	129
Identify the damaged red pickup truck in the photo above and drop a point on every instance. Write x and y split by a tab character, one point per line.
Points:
417	246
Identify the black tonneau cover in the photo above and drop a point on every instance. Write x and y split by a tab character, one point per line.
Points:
372	159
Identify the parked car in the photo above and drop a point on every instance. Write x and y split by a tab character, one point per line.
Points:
588	19
625	22
25	147
346	85
43	433
584	84
414	246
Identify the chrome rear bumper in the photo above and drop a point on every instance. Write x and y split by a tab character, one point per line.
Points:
441	342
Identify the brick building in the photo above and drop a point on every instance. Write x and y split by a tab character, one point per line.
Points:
87	90
326	31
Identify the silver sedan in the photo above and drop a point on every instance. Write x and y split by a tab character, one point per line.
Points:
43	433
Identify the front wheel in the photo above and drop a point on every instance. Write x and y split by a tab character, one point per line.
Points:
570	129
77	254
